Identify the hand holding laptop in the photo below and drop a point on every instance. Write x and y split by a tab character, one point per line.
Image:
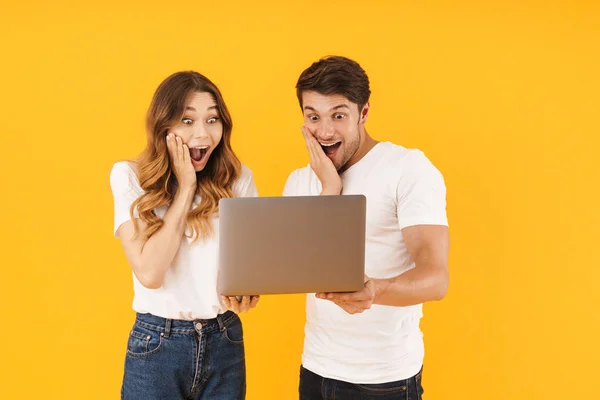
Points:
354	302
240	304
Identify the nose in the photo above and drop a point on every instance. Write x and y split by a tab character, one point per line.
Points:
326	130
200	132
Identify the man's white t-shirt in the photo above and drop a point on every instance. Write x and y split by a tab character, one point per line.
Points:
189	290
382	344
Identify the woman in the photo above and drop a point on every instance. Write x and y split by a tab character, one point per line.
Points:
186	342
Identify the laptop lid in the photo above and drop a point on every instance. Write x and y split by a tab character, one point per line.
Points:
298	244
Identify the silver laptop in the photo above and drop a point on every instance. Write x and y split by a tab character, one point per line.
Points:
284	245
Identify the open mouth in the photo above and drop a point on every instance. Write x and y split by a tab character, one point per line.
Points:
330	148
198	154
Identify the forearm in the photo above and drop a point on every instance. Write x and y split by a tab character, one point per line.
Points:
428	282
331	190
160	249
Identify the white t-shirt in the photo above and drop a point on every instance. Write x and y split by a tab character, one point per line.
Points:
384	343
189	290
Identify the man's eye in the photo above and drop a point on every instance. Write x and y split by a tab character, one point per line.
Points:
339	116
313	117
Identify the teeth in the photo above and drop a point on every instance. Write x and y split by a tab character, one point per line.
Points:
328	144
201	147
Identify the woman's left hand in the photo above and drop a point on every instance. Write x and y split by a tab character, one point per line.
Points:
240	304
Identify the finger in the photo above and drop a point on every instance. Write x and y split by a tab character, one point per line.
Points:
305	134
328	296
171	145
363	295
254	301
314	143
346	307
320	152
227	302
245	304
186	155
235	306
179	153
308	132
339	296
352	308
369	286
346	297
309	138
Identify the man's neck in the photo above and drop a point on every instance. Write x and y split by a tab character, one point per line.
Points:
367	144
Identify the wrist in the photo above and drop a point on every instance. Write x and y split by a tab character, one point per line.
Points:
380	287
331	190
186	192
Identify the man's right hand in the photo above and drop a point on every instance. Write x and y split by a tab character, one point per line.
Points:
181	163
322	166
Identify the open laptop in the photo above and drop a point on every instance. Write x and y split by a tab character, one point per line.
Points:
284	245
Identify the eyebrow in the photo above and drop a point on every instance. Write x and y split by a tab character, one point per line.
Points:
332	108
189	108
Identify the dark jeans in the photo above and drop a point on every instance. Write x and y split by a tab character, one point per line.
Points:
315	387
174	359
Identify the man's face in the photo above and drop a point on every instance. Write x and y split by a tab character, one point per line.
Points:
336	123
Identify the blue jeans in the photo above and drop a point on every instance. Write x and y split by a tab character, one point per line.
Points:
174	359
315	387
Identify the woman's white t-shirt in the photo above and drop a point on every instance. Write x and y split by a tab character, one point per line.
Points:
189	290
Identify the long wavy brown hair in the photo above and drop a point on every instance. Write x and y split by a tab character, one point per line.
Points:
154	172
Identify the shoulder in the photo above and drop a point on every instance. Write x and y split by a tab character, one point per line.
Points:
122	167
123	177
245	186
395	153
245	173
414	175
409	162
300	174
299	181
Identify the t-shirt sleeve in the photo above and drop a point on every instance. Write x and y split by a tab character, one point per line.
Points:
246	186
421	193
125	189
291	185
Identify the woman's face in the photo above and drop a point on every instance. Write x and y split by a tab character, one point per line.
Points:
200	128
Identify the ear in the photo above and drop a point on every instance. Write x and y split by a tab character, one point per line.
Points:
364	113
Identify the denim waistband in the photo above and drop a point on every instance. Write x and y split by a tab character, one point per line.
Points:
168	326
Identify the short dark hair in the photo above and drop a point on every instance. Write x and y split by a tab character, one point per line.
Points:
335	75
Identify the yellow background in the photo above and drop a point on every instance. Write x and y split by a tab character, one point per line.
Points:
502	96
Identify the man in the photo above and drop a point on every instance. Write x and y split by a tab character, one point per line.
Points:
369	343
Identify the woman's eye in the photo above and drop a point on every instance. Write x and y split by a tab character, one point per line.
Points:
212	120
187	121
